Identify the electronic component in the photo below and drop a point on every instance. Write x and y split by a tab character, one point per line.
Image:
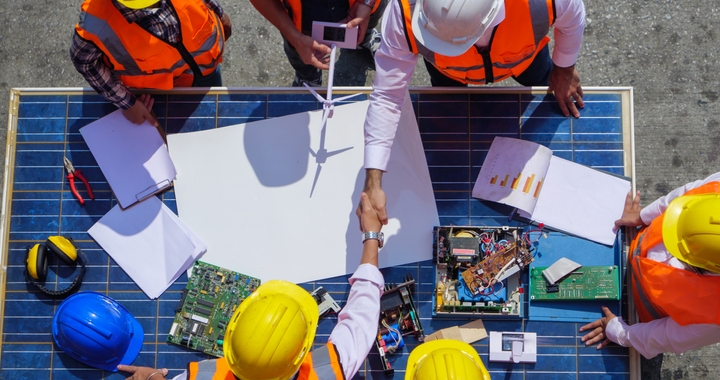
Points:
559	269
515	347
211	296
586	283
398	319
477	270
326	304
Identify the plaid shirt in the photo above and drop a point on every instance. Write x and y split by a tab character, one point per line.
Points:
88	58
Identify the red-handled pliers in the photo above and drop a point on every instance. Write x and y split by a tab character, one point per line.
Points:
72	173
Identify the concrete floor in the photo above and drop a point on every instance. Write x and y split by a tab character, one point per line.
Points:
667	50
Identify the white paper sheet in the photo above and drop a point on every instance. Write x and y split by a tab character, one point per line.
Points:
133	158
149	242
246	189
581	201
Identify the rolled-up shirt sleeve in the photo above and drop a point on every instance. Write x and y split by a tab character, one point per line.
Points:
653	210
357	326
568	31
394	68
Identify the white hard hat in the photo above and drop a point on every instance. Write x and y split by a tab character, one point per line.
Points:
451	27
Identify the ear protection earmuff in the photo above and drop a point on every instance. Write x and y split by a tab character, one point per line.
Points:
36	263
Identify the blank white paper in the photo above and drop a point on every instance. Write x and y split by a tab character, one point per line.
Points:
246	189
133	158
149	242
581	200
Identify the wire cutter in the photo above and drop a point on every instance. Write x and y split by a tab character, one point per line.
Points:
72	174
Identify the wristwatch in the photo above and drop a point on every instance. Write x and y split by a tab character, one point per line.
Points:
379	236
369	3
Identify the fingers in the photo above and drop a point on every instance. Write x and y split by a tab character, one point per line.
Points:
594	336
365	203
591	325
636	202
382	215
604	343
609	314
127	368
579	98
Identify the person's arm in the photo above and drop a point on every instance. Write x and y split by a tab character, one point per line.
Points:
658	207
311	52
662	335
568	32
357	326
88	61
394	67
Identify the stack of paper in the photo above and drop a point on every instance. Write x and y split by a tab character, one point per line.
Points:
149	242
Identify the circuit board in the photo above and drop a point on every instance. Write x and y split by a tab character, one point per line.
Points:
586	283
207	304
477	270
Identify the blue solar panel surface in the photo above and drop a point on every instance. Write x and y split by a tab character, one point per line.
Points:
457	130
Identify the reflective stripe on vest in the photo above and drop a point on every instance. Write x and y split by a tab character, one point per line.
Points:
142	60
216	369
662	290
294	10
322	364
514	43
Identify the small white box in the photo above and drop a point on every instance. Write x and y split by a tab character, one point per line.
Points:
329	33
513	347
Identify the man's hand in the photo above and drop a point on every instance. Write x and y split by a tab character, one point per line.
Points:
565	82
374	191
359	15
227	26
369	221
140	111
143	373
597	333
312	52
631	212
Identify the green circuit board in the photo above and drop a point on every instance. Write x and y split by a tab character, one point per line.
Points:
586	284
206	306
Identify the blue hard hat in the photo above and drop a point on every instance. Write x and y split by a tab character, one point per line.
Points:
97	331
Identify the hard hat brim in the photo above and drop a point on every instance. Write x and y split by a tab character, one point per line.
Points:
138	4
135	345
671	238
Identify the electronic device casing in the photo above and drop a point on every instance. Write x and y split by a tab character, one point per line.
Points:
512	285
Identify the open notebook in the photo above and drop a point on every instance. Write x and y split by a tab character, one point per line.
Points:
563	195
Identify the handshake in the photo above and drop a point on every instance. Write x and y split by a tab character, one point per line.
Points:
369	219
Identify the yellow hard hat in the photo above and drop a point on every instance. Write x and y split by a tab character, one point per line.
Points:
138	4
271	332
445	359
691	230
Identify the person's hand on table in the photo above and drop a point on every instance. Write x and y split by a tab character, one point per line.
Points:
631	213
359	15
565	83
140	111
143	373
597	330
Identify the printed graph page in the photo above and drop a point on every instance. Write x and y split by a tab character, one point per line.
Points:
513	173
581	201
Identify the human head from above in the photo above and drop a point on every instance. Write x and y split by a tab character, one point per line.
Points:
691	230
451	27
445	359
271	332
138	4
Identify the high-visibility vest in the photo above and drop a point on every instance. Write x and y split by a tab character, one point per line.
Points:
661	290
513	46
294	9
322	364
141	60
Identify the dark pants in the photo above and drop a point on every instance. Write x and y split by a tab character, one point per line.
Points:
212	80
310	73
537	74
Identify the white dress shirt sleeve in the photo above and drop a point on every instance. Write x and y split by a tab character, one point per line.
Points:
394	68
661	335
357	326
658	207
568	31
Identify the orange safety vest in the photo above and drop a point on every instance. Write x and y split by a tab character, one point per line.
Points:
141	60
294	10
322	364
513	46
661	290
